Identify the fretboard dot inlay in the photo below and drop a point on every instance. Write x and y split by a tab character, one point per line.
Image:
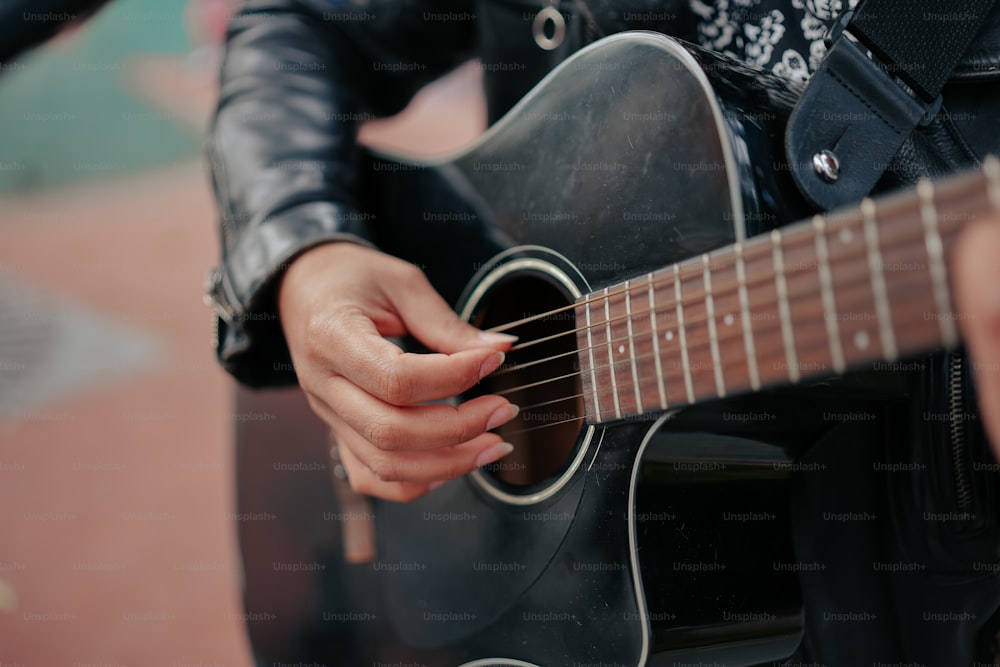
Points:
861	340
846	235
729	319
621	349
669	335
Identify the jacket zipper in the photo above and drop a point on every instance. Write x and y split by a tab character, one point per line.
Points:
214	298
959	445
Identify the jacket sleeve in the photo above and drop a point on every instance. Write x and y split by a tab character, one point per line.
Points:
25	24
297	78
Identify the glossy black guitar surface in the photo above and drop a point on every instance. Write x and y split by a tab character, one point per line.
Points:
624	160
627	544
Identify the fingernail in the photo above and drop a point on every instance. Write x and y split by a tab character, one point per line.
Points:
494	454
502	415
491	363
493	338
433	486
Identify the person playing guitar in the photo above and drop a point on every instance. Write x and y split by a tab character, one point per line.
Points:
302	285
339	297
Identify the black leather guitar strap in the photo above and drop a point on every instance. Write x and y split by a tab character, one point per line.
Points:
856	112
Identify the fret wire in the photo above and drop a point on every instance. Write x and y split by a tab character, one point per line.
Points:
826	288
842	258
886	332
748	342
720	387
935	253
656	344
631	346
611	358
593	365
681	334
783	309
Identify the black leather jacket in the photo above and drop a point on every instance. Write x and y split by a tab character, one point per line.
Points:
284	160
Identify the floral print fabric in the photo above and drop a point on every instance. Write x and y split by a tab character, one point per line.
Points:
784	37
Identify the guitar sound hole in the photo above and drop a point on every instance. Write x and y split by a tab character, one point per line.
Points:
540	375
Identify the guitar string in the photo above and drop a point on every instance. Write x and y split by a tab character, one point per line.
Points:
612	366
538	428
664	281
793	237
909	286
676	378
811	288
697	297
689	324
642	284
839	257
667	308
816	342
673	378
526	408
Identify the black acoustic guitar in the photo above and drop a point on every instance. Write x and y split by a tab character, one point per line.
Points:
626	221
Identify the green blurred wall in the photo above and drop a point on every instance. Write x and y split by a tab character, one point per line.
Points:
65	114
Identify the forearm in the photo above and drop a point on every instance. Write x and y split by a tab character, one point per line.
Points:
297	80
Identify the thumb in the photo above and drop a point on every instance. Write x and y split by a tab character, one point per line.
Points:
431	321
977	274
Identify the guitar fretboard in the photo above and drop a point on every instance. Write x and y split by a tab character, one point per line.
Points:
809	300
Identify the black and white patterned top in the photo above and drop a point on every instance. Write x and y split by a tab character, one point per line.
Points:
784	37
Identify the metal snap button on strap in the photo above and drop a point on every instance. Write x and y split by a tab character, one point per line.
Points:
549	19
827	165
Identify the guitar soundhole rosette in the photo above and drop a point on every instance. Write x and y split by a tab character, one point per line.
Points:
540	374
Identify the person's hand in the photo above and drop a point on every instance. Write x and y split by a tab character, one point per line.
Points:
976	271
338	302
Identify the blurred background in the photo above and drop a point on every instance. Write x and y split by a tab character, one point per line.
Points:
117	517
117	544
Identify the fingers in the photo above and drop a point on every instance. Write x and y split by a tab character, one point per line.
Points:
977	274
336	304
432	321
418	427
363	480
361	355
405	476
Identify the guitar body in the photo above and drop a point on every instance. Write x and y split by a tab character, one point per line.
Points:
651	541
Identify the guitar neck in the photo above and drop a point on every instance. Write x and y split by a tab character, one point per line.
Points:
809	300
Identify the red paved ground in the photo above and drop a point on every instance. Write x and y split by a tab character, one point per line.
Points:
115	546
